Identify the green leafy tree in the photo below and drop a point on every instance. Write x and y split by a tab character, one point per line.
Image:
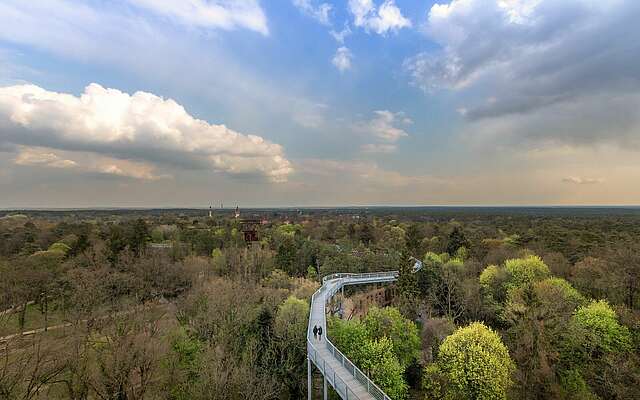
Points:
80	245
375	357
597	350
278	279
448	295
538	316
457	239
472	363
599	330
492	283
496	282
137	237
219	261
395	238
380	362
414	239
291	320
289	329
60	247
349	336
312	273
183	365
388	322
366	234
116	243
523	271
157	236
286	255
432	259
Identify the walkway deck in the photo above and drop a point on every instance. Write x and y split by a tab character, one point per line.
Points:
348	381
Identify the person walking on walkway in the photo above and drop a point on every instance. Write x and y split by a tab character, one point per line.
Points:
315	331
320	333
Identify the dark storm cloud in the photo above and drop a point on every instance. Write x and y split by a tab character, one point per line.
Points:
528	62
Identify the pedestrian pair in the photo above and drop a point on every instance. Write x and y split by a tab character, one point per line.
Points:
317	332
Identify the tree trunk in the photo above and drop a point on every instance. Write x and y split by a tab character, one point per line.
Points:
23	315
46	311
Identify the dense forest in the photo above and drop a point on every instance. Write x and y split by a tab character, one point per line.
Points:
174	304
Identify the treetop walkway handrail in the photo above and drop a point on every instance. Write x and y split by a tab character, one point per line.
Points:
366	275
330	285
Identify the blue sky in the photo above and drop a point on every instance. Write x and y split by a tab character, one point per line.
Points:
306	102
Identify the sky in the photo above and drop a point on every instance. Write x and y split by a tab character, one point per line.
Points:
191	103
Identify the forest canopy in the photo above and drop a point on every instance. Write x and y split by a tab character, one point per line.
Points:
174	304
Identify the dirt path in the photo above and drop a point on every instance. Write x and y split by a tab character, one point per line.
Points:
68	324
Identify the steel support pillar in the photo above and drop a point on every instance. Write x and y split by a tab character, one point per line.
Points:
324	378
308	379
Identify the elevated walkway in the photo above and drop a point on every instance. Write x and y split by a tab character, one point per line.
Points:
338	371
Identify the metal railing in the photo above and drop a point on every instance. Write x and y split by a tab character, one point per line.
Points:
392	275
327	291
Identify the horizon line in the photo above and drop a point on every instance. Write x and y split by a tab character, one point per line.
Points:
320	207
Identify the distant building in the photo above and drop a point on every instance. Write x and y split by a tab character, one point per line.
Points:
237	215
249	228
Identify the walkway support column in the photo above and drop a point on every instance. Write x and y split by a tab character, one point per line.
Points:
325	386
309	379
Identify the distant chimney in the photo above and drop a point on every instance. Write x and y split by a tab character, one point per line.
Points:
237	212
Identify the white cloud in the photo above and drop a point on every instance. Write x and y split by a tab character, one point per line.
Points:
84	162
340	36
222	14
34	157
383	126
105	35
125	169
321	12
141	126
342	59
381	20
582	181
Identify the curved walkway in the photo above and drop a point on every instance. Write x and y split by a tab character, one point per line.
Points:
348	381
